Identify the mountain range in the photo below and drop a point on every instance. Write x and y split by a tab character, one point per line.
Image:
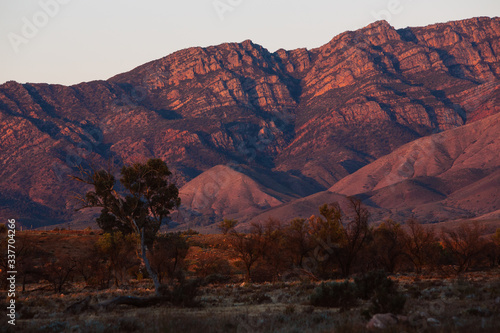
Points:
404	119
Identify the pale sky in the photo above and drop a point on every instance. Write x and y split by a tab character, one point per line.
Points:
70	41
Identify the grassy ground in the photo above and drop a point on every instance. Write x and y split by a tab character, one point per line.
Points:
457	305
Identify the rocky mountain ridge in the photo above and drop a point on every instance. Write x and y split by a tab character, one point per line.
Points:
306	118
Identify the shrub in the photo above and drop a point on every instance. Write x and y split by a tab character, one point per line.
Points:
367	284
335	294
290	309
260	298
387	300
190	232
381	290
463	288
119	251
207	263
94	269
168	255
248	248
263	272
216	279
421	245
58	271
465	244
184	294
226	225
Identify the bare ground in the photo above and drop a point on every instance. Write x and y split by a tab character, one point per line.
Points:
435	304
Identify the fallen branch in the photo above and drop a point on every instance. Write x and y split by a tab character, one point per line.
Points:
80	306
310	274
132	301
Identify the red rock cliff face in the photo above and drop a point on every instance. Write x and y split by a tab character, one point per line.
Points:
313	116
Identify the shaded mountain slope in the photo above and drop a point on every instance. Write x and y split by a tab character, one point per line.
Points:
452	174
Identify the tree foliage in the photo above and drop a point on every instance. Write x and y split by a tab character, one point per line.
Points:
169	252
465	244
227	225
339	238
388	245
421	246
141	207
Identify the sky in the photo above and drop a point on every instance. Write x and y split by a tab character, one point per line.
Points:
71	41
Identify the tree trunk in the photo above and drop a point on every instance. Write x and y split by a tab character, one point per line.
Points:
347	269
247	277
151	273
115	275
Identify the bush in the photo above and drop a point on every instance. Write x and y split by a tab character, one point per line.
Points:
263	272
216	279
367	284
226	225
387	301
208	263
184	294
190	232
382	291
463	288
119	252
335	294
168	255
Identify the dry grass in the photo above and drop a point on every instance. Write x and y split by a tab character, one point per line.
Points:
458	304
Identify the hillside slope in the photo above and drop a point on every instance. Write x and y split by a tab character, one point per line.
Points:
451	174
223	192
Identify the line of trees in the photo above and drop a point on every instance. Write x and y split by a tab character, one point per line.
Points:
338	244
332	245
113	259
335	243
